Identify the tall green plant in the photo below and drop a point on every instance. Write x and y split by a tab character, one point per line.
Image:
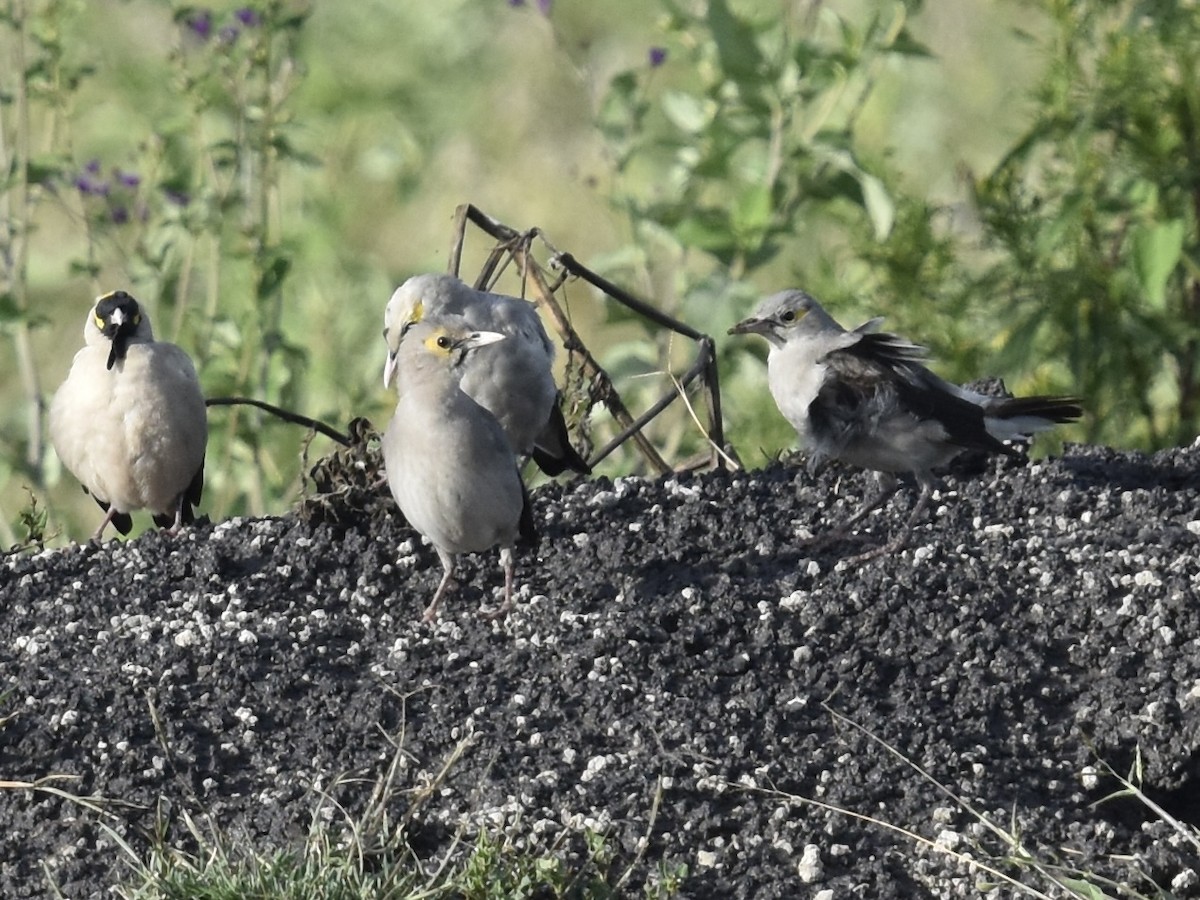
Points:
761	132
734	150
40	83
227	155
193	222
1092	220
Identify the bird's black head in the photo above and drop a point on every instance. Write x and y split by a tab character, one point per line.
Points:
117	316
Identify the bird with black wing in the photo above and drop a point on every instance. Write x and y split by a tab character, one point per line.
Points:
865	397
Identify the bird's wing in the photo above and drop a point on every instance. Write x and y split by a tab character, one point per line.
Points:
553	451
879	377
526	527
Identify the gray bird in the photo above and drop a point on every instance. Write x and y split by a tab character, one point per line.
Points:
513	380
129	421
865	398
449	465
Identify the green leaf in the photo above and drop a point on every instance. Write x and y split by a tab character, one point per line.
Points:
1085	889
906	45
752	211
287	150
9	311
1157	250
873	195
706	229
687	111
272	276
737	47
878	204
44	171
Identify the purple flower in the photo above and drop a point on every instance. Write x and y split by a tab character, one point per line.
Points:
658	56
120	215
544	6
89	186
228	34
127	179
92	166
248	16
516	2
179	198
200	24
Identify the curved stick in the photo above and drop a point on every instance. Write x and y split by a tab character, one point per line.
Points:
295	418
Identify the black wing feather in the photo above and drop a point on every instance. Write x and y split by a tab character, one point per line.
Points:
191	498
883	372
123	522
526	529
556	457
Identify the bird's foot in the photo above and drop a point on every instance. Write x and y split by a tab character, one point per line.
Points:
895	545
827	539
842	535
499	613
448	585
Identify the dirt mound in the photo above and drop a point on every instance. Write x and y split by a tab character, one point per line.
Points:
667	679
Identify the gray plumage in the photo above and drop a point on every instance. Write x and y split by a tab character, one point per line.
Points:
864	397
449	464
513	380
129	420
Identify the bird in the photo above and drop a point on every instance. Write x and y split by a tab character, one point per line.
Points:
448	462
865	397
129	421
513	380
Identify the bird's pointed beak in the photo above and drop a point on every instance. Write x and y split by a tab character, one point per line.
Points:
752	325
481	339
119	329
120	344
389	368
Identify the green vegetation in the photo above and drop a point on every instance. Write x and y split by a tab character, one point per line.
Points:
366	856
1022	199
360	856
329	868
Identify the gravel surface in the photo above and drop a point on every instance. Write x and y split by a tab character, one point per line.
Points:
667	679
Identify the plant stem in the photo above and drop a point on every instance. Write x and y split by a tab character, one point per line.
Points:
17	261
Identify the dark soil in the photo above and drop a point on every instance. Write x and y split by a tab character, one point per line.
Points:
669	678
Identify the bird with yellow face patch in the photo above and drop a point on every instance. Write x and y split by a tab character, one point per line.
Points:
449	464
129	421
513	380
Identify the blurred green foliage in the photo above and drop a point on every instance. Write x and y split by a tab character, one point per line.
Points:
1023	200
753	153
1091	221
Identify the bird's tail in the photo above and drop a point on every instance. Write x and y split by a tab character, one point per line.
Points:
1016	418
553	451
527	532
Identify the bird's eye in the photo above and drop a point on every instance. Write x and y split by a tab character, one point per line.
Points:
444	342
788	316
